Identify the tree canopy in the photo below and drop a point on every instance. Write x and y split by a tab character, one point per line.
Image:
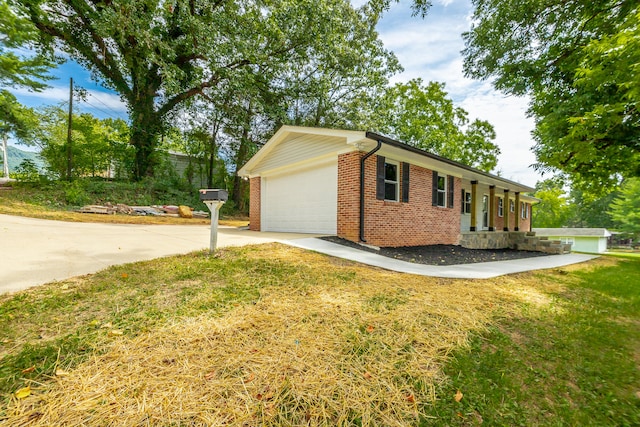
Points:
578	61
625	209
157	55
19	67
21	62
98	145
422	115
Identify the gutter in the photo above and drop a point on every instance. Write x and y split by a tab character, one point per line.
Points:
362	160
398	144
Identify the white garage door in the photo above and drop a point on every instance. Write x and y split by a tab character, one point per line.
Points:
304	201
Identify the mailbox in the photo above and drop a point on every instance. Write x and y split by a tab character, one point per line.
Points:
214	199
219	195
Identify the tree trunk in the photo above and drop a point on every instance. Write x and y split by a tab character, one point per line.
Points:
146	126
213	151
239	186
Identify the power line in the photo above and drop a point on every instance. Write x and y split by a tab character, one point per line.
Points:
103	103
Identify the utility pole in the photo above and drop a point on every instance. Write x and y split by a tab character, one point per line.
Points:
69	153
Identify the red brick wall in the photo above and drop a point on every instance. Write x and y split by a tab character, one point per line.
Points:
254	204
394	223
349	196
525	223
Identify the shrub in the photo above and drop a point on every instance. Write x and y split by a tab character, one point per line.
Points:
27	171
75	194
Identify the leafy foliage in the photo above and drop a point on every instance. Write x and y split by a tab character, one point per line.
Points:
578	62
568	204
97	145
158	55
16	120
425	117
554	209
16	69
625	209
27	171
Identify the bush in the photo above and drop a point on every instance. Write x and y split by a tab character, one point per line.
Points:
75	194
27	171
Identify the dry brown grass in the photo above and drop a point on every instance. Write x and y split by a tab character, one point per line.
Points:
352	345
19	208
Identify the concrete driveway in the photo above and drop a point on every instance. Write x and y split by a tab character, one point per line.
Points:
36	251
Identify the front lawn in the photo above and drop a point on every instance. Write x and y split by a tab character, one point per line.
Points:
274	335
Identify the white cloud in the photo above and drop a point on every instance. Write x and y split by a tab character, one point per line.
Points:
102	104
513	130
444	3
430	49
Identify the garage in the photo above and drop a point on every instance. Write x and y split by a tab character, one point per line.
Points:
303	201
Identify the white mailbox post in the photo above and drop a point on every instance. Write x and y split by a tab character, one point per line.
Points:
214	199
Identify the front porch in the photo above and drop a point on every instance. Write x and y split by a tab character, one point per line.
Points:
518	240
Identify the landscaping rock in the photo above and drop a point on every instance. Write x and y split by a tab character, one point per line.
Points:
185	212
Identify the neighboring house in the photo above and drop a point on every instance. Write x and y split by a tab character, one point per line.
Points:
365	187
185	166
190	168
590	240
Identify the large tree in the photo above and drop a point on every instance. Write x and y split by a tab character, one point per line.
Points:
423	115
578	61
21	65
99	146
555	208
625	209
17	121
326	89
21	62
157	54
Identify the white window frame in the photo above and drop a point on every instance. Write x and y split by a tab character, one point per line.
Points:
500	207
524	210
485	209
467	202
512	206
388	181
443	191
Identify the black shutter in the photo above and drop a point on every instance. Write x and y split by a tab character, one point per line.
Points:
405	182
434	189
451	190
462	201
380	178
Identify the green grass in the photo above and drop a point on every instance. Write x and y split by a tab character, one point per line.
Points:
620	254
573	363
561	347
58	325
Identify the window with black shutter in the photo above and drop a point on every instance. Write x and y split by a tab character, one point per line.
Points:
380	178
388	180
440	190
451	190
405	182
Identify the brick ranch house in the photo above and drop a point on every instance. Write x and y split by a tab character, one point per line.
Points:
368	188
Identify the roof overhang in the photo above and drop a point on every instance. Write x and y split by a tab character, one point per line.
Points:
366	141
351	138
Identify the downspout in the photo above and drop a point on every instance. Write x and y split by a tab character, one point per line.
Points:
362	160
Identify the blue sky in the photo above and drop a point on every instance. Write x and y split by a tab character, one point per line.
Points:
427	48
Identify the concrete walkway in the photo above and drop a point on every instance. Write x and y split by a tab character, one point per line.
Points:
482	270
36	251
